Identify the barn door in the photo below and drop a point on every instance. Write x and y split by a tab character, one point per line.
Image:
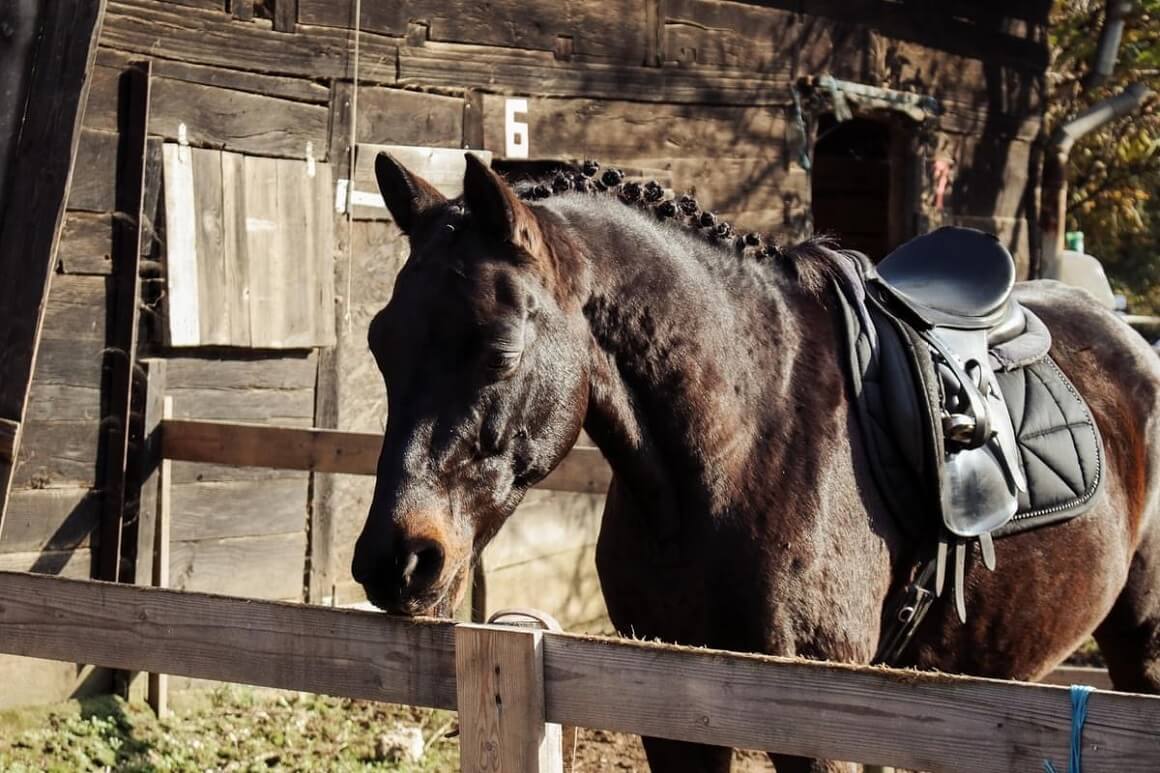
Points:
859	184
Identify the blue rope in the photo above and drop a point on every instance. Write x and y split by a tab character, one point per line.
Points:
1079	700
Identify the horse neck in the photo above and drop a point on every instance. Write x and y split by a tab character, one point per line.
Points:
692	360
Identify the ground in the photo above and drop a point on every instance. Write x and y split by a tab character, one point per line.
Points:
246	729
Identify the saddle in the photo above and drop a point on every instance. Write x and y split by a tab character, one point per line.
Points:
972	431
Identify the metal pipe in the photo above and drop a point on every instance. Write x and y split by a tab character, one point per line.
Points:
1110	36
1053	211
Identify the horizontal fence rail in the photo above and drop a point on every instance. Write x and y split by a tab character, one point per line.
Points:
583	470
873	715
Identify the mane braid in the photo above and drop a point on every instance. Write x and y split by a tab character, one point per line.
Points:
813	262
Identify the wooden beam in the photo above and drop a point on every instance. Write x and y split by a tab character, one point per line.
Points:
908	719
285	15
322	450
923	721
41	164
500	689
128	245
267	643
9	440
158	690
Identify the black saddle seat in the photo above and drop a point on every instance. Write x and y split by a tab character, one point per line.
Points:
958	277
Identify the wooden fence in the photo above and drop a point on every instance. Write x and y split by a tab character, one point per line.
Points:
511	686
513	681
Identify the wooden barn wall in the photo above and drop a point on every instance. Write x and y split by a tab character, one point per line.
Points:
700	89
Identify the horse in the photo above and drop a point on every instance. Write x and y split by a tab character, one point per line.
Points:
741	514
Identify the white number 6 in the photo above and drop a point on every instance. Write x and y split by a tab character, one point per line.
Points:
516	132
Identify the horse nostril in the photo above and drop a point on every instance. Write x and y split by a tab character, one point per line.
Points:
421	562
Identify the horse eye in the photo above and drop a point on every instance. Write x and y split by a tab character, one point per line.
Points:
503	363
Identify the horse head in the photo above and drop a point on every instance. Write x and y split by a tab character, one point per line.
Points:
483	349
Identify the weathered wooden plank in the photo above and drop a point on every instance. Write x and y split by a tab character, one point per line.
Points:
235	261
263	567
128	238
285	15
770	703
296	272
291	407
209	38
86	243
613	130
563	584
298	89
50	519
76	309
546	523
70	363
344	652
142	517
214	291
245	370
94	185
236	120
398	117
282	447
264	249
31	681
9	440
63	402
614	30
1069	675
207	511
58	454
583	470
728	34
75	564
182	272
500	696
158	683
507	70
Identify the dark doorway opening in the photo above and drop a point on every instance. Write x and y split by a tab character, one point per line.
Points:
855	187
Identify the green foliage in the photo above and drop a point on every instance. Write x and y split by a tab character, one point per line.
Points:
235	729
1114	188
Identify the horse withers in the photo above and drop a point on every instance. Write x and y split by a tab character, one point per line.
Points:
742	514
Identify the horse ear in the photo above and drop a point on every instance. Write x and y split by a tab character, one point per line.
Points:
497	208
407	195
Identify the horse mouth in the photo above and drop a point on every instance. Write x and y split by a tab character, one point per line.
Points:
417	607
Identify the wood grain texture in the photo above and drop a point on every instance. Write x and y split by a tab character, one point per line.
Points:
870	714
128	242
40	161
516	71
613	30
248	508
210	38
320	450
614	131
182	274
398	117
237	121
797	707
338	652
9	440
94	184
50	519
500	695
86	243
297	89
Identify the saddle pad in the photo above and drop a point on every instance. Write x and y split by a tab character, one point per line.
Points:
889	366
1059	445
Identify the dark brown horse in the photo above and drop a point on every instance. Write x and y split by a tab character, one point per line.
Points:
741	515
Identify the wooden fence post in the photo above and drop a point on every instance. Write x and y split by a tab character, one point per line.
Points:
499	674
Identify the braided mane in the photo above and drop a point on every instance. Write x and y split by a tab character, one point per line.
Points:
812	261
